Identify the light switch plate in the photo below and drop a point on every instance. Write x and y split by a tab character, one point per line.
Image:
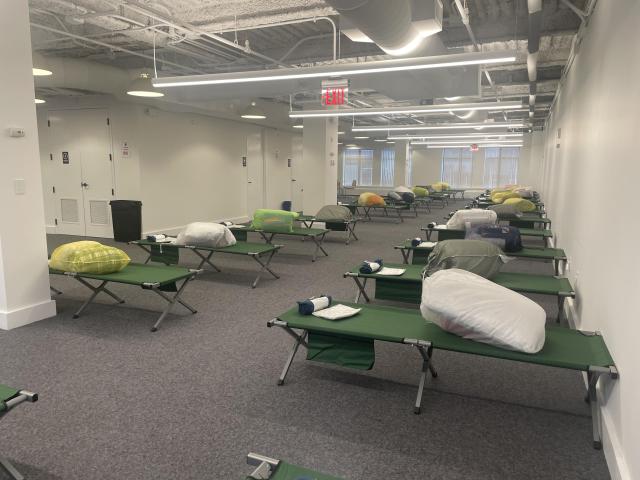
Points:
19	186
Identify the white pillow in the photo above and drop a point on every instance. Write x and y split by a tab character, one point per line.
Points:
205	234
473	307
472	217
402	189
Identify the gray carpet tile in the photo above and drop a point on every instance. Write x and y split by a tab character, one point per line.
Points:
189	401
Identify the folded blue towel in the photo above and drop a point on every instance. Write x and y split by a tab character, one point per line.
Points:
371	267
313	304
416	241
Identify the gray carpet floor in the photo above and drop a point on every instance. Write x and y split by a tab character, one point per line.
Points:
191	400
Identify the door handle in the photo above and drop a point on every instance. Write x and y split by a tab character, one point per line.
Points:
84	184
249	181
293	179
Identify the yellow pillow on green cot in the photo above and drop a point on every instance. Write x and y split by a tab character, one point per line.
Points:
501	197
521	204
420	192
88	257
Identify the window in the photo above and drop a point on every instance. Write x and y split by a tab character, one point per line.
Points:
501	166
387	164
456	167
357	165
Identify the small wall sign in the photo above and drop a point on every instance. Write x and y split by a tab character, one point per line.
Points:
65	158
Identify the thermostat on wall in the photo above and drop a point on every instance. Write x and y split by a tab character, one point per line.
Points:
16	132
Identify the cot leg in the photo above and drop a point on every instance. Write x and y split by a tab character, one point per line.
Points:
205	259
361	290
171	301
428	231
55	290
595	409
96	291
426	360
299	339
265	266
318	247
10	469
400	216
405	255
560	309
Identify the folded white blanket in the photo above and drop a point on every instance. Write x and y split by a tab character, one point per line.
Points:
337	312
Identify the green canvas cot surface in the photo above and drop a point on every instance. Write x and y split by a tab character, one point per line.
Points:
6	393
287	471
455	234
408	287
139	274
563	348
341	350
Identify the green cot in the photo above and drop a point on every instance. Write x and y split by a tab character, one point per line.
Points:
169	254
408	286
9	399
557	256
348	226
564	348
159	279
366	211
317	235
459	234
273	469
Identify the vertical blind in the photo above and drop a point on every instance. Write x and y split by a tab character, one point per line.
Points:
387	165
500	166
357	165
457	167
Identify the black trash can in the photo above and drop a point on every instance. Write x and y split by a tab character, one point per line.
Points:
126	216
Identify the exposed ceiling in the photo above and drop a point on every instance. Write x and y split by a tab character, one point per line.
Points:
208	36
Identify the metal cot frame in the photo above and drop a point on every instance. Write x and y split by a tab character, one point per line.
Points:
22	396
350	226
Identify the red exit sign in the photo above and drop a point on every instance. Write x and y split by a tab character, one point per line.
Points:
334	92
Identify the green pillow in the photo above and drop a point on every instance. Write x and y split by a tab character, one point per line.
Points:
274	220
88	257
420	192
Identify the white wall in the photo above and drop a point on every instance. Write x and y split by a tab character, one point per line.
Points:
588	184
426	164
184	167
24	278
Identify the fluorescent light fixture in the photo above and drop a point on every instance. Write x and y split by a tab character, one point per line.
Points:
379	139
465	142
339	143
142	87
452	99
340	133
298	125
41	72
477	136
445	126
391	143
340	69
416	109
39	100
479	146
252	112
362	137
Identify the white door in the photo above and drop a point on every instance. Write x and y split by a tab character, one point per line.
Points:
254	169
297	187
82	171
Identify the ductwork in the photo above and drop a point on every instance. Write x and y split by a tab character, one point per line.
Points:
399	27
533	45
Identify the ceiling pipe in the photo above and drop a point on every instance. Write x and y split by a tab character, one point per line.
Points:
184	26
583	15
388	24
533	45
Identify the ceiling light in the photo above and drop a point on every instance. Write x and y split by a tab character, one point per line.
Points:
455	136
41	72
391	142
333	70
464	142
466	116
452	99
39	100
339	143
298	125
340	133
416	109
361	138
450	126
252	112
479	146
142	87
479	136
379	139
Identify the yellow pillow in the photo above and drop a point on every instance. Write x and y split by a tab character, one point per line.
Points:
369	199
88	257
420	192
521	204
501	197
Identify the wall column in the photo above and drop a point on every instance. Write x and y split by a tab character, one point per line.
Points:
24	277
400	167
319	163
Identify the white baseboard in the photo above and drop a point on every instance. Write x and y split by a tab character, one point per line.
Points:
610	443
26	315
51	229
176	229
